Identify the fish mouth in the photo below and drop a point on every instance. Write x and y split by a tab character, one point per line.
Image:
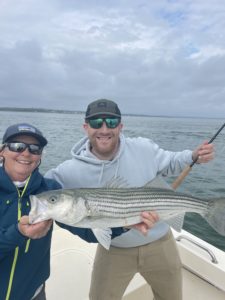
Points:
38	210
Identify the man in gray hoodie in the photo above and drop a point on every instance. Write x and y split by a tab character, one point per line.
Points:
105	154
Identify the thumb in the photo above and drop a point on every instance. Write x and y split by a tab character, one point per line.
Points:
24	220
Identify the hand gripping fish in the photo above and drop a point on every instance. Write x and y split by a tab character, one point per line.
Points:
116	206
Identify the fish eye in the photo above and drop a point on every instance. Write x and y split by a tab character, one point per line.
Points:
52	199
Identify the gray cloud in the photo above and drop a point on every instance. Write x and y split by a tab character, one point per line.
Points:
152	57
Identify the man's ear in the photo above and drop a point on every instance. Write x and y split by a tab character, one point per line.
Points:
85	126
121	126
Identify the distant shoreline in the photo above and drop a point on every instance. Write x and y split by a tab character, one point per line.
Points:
64	111
45	110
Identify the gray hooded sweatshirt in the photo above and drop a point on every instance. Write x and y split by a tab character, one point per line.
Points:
138	161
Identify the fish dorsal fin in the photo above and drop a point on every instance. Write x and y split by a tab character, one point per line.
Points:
116	182
158	182
119	182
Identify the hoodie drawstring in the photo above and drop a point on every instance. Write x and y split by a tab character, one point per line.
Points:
117	167
102	171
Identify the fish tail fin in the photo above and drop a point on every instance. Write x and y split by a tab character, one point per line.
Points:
103	236
215	215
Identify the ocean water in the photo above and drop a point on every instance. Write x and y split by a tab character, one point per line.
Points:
175	134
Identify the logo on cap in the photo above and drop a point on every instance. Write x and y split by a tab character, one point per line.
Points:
26	128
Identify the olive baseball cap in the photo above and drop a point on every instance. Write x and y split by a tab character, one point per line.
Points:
24	129
102	107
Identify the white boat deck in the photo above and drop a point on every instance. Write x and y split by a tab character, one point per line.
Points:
72	259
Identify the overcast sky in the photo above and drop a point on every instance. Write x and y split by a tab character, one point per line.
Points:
153	57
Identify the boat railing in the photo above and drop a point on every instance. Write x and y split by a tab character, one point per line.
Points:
211	254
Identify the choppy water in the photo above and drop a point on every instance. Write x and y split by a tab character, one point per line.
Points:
63	130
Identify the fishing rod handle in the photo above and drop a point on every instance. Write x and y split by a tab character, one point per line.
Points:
181	177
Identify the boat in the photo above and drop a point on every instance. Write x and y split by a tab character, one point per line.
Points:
72	260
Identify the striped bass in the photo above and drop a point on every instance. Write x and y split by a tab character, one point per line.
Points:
116	206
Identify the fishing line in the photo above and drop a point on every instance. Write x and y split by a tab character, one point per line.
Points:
219	153
202	180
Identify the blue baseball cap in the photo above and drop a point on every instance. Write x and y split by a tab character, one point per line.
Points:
24	129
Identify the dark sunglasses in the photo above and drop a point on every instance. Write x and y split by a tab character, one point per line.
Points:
20	147
110	122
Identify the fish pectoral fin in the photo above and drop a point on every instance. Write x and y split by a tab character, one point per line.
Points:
103	236
176	222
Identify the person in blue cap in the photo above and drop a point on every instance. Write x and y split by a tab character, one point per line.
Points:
25	248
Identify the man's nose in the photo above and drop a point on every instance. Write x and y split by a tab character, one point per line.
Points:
104	127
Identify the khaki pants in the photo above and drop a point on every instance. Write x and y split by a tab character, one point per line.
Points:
158	262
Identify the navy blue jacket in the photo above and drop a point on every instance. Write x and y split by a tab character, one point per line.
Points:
25	263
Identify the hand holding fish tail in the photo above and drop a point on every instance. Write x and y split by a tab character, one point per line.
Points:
148	221
203	153
33	231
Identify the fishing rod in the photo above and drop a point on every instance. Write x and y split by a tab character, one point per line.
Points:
185	172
